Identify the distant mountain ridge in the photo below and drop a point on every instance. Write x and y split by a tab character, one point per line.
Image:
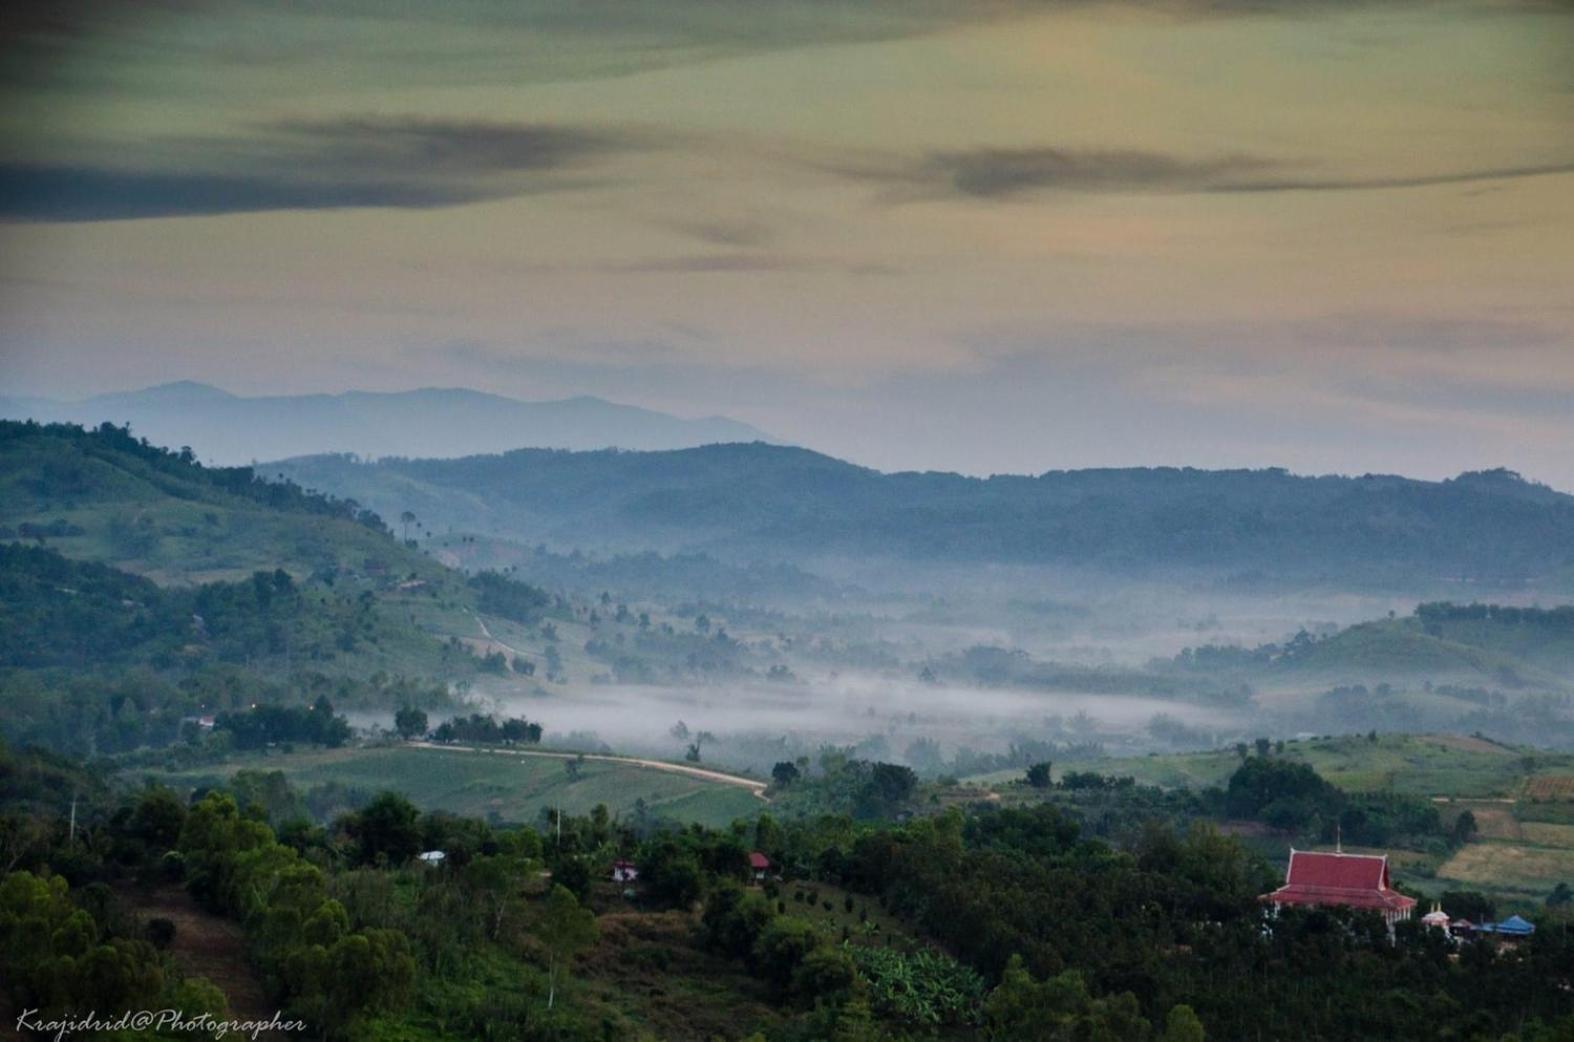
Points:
432	422
786	503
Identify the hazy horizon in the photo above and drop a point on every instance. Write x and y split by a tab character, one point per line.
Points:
1323	236
1441	475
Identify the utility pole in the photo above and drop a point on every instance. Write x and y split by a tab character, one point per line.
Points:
71	835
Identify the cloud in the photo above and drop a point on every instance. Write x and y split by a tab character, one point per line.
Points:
317	164
996	172
725	232
1358	184
468	147
43	192
1005	173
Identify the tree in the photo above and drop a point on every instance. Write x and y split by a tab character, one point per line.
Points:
1464	827
573	874
1264	746
493	883
1038	775
671	874
1022	1009
387	829
158	819
565	929
1468	904
783	946
1182	1025
410	722
784	774
854	1022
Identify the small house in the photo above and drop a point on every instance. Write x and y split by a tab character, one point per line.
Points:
624	871
1437	919
759	866
432	858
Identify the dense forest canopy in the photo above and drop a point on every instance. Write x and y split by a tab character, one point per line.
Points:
1490	526
988	924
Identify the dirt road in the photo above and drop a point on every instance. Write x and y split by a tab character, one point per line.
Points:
753	785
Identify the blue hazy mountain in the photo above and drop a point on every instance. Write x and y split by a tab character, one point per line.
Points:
1490	528
434	422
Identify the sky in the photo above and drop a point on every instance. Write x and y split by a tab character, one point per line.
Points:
974	235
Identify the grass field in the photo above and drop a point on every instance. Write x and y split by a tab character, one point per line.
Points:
499	786
1509	867
1419	765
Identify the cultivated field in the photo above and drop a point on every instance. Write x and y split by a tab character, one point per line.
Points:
1556	788
1507	866
500	786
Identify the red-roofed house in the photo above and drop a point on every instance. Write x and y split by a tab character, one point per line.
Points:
1343	881
760	864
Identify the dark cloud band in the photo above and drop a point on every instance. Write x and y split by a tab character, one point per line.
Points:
315	165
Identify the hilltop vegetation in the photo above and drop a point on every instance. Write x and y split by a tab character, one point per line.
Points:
56	613
139	590
1266	525
105	495
1511	646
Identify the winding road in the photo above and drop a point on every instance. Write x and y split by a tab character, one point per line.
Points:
754	785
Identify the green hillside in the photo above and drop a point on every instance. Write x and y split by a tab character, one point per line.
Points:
139	588
1495	646
1398	648
1415	765
106	496
58	613
502	786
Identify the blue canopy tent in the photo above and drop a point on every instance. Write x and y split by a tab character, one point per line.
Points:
1513	926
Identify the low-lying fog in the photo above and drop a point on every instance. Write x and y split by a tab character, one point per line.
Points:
755	725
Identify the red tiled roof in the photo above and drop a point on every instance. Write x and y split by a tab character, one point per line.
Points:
758	861
1351	880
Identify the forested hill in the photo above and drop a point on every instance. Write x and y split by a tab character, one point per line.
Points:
1491	527
106	495
138	588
